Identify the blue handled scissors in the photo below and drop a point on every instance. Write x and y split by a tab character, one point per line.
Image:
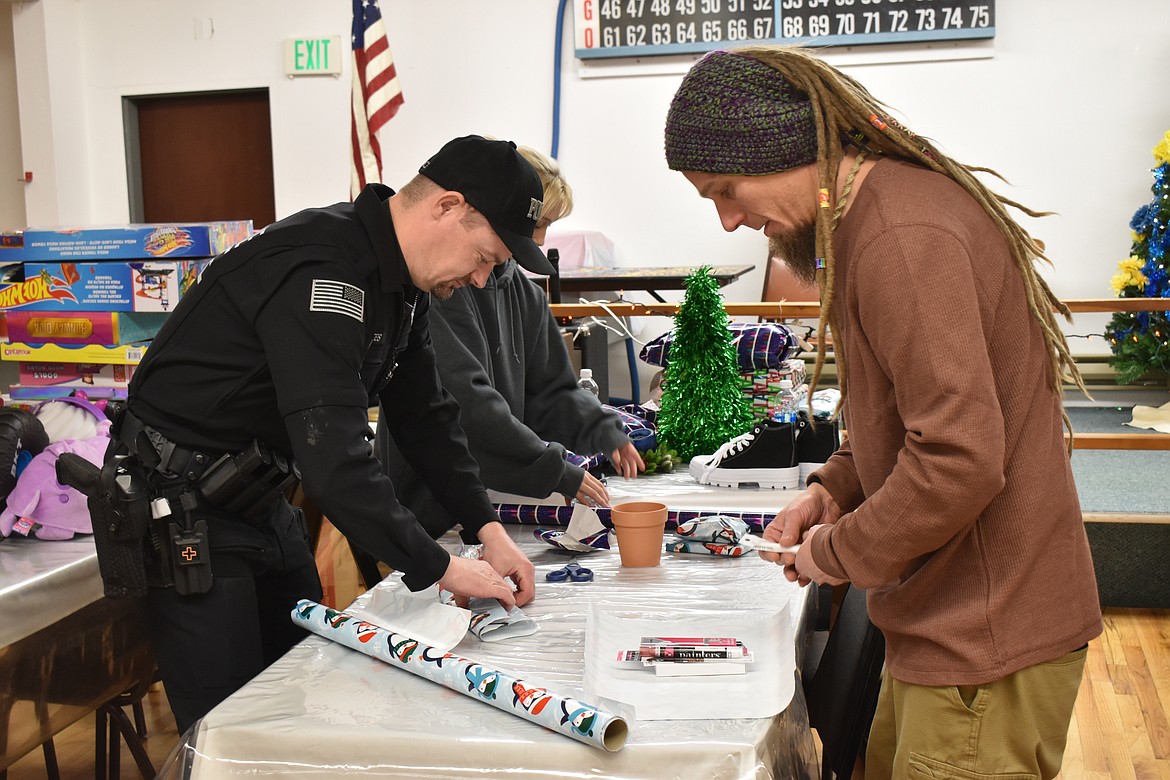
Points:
573	572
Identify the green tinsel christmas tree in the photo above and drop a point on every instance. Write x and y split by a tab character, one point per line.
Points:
702	405
1141	340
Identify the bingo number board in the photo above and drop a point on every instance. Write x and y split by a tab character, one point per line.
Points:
633	28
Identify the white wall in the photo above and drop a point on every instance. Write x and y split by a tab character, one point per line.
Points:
100	51
1068	109
11	165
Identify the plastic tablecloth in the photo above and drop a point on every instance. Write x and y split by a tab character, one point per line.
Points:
42	582
324	709
64	649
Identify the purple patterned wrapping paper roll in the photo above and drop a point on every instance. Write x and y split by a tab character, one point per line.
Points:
544	514
579	720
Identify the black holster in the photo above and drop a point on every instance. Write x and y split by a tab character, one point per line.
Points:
146	501
119	506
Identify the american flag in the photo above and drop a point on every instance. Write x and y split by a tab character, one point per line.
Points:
335	297
376	92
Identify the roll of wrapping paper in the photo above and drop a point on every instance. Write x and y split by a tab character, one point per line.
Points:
577	719
542	514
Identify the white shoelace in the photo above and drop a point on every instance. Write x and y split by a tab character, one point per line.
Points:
738	444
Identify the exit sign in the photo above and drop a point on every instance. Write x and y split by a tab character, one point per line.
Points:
313	56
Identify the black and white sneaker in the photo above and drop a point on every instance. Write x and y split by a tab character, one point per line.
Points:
815	443
763	457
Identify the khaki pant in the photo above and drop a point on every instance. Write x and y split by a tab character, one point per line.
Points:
1010	729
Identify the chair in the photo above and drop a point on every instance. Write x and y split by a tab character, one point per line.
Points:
97	659
841	685
780	284
112	725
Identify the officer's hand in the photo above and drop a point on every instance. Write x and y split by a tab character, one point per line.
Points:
627	460
505	557
592	491
470	578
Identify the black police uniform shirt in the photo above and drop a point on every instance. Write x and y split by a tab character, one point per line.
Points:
289	338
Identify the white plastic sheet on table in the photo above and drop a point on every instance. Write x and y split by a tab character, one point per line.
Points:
764	690
323	709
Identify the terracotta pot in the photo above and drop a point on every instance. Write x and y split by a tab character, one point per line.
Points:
640	526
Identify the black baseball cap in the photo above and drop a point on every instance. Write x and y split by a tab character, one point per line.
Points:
494	178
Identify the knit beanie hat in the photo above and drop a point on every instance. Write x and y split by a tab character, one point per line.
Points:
735	115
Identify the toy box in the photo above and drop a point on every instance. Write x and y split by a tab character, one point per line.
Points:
31	395
89	374
11	248
82	353
147	286
130	242
109	328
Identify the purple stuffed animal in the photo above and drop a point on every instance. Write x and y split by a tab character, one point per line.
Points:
39	505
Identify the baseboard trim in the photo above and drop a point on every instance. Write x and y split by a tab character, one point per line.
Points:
1124	517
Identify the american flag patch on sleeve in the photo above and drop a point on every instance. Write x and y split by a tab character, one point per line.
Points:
338	298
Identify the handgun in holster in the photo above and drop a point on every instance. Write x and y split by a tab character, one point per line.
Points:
248	484
119	506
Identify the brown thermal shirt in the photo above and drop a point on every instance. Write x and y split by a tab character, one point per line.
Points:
962	519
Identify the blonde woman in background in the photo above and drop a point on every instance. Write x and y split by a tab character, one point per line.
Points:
501	355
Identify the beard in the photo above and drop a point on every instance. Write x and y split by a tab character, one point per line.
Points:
798	249
444	290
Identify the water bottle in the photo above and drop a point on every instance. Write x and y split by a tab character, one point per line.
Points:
586	382
786	402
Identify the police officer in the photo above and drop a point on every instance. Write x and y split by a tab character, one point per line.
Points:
272	360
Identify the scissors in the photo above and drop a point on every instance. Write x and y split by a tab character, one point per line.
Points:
573	572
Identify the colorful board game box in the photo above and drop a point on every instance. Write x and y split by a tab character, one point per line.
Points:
132	242
33	374
82	353
108	328
146	286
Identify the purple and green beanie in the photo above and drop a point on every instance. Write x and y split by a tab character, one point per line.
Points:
735	115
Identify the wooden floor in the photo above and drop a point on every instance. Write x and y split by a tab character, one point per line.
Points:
1120	730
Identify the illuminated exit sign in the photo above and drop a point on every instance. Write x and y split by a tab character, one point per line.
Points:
313	56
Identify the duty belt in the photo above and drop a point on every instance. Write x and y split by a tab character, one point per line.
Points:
246	484
174	460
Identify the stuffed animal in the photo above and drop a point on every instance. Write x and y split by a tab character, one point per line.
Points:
22	436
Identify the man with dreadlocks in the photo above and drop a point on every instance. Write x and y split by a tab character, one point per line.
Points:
952	500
